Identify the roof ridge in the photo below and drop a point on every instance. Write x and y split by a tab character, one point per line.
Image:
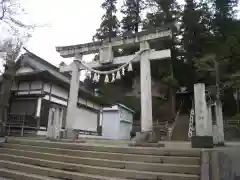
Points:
40	58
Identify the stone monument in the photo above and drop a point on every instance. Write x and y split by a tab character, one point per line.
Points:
207	132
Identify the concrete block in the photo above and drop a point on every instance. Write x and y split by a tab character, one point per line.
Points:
202	142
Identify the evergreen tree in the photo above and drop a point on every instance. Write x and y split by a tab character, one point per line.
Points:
131	11
109	26
224	14
166	12
196	33
211	42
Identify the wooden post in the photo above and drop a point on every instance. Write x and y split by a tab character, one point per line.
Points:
22	131
146	92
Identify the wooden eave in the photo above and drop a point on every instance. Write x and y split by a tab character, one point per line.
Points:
48	77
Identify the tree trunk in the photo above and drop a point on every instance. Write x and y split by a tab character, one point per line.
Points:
8	76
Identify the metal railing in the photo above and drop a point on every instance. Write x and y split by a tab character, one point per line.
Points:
22	122
232	123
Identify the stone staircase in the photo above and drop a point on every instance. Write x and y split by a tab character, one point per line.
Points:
44	160
180	131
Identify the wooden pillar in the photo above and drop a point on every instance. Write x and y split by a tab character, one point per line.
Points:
146	93
38	107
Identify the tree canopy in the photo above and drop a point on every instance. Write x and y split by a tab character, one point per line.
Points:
204	49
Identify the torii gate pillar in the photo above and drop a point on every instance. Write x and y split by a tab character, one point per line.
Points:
146	92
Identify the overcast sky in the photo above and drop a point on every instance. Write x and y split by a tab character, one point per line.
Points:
69	22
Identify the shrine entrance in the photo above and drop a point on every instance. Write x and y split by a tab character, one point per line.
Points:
105	50
124	63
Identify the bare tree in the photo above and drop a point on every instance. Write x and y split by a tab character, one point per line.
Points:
11	18
14	33
12	49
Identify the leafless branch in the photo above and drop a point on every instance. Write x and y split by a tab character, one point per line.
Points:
12	47
11	13
3	9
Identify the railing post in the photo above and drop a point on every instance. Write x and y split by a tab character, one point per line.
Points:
9	129
22	132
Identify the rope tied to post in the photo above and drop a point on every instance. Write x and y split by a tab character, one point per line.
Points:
116	73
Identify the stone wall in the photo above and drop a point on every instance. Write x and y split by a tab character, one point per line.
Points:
225	163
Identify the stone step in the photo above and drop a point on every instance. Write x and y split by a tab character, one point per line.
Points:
49	172
110	156
180	132
20	175
7	154
110	149
42	167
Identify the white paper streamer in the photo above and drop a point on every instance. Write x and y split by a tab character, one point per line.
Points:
106	79
130	67
118	75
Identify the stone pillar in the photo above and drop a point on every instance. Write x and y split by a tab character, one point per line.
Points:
146	92
209	121
219	123
215	134
201	113
73	99
214	125
203	138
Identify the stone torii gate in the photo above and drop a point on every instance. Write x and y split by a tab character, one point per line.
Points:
105	49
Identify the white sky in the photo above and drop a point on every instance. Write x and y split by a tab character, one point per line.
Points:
69	22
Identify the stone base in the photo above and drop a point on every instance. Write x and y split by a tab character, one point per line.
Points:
220	144
146	139
202	142
3	140
68	134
